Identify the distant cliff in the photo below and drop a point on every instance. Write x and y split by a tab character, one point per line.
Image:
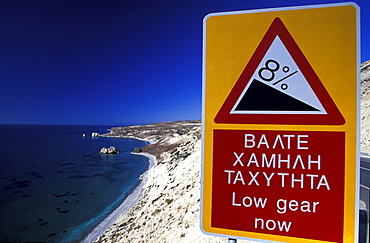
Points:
365	107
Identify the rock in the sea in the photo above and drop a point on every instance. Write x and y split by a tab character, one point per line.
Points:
103	150
110	150
137	150
95	135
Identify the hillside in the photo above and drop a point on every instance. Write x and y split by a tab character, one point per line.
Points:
365	105
168	210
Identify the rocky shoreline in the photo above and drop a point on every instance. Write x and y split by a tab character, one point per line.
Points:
365	107
168	209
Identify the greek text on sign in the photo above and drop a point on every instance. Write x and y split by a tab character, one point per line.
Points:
279	182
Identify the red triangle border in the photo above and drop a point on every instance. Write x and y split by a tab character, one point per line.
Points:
277	28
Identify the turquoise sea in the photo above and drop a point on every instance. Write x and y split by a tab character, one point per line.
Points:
55	186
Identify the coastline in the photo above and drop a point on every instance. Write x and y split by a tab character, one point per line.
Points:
140	139
125	205
169	208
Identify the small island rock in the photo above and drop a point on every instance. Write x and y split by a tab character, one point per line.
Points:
137	150
110	150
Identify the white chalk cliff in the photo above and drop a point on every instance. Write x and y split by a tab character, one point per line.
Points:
169	207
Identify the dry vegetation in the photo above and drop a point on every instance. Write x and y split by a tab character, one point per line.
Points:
162	135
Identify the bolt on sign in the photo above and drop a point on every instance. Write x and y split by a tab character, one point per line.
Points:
280	124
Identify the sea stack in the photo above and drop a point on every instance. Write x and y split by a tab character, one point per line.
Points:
110	150
95	135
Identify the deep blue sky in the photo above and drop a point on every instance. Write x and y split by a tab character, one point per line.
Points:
111	62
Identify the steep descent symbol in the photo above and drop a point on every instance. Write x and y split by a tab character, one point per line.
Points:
279	80
278	86
271	72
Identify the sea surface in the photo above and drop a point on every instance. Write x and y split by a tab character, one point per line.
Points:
55	186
